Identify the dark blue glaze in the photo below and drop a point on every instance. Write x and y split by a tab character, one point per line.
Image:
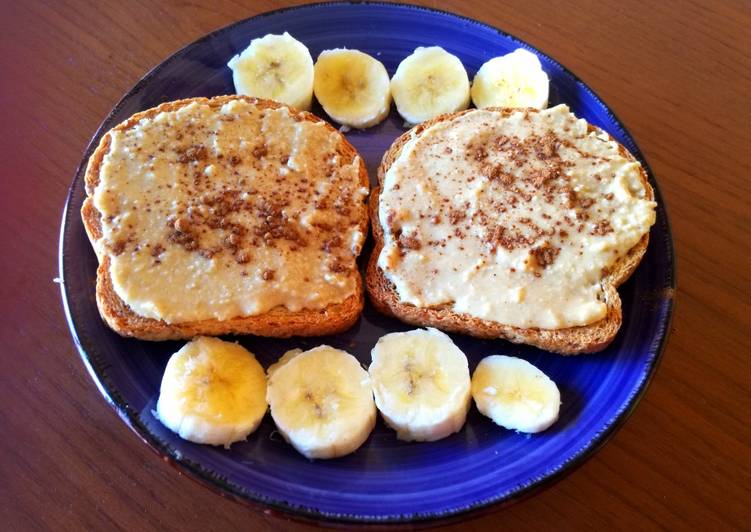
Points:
385	480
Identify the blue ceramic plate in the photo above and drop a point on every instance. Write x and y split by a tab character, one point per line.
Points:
385	480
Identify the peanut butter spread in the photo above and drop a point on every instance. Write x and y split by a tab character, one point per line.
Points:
511	219
228	212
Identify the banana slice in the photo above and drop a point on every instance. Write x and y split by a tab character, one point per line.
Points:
212	392
352	87
278	67
515	394
421	384
512	80
428	83
321	401
286	357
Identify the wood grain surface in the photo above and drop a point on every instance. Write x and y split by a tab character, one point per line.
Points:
678	73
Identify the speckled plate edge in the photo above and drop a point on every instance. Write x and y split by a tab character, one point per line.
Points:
227	489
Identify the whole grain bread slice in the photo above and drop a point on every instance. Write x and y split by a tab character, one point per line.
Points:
567	341
279	322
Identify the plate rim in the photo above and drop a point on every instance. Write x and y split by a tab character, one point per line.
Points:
216	483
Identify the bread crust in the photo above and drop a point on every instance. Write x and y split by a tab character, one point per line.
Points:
279	322
567	341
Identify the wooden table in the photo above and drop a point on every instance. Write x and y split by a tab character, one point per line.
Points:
676	73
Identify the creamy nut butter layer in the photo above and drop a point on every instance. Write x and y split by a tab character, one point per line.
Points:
226	212
512	219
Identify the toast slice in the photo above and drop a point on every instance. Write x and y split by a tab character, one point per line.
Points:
331	317
568	341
